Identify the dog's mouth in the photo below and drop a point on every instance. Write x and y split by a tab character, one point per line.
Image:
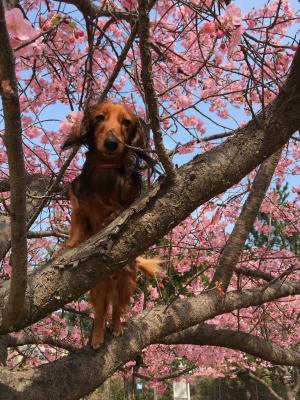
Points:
111	156
105	154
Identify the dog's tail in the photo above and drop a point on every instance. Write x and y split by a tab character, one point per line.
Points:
150	266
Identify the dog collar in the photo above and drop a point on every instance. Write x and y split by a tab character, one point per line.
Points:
109	165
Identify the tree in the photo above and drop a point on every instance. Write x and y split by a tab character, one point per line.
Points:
185	67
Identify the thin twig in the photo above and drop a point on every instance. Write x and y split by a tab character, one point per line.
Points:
150	94
119	63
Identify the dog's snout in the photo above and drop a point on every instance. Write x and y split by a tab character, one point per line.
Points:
111	144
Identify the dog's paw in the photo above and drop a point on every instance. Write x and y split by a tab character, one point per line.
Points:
117	330
61	249
58	252
96	343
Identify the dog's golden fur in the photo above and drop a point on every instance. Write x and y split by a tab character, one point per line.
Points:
109	182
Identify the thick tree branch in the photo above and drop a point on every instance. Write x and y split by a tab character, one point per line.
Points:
151	326
235	243
26	339
150	94
13	144
254	273
212	335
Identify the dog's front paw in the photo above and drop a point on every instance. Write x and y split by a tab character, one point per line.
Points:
96	343
117	330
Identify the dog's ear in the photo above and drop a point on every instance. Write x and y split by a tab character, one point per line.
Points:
79	133
141	135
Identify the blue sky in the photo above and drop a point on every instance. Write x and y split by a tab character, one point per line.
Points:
248	5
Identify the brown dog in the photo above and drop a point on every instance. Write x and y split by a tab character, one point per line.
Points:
109	182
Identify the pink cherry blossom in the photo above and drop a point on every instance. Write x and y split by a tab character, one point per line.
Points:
19	27
233	15
235	39
209	27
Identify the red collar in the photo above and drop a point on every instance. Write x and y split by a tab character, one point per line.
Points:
108	165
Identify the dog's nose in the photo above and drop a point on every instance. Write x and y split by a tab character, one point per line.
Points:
111	144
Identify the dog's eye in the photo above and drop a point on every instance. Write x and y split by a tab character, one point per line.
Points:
126	122
99	117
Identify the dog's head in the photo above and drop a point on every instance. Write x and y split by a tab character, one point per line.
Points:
107	128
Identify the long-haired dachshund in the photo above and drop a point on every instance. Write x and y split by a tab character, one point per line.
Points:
109	182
